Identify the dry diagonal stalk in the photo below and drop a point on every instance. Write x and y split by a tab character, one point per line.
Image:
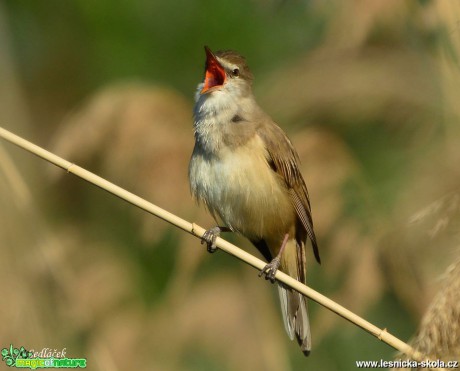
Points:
192	228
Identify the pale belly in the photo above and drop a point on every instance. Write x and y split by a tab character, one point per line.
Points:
239	187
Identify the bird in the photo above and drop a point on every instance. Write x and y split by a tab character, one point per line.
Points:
245	170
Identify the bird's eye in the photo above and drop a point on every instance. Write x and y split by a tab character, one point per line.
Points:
236	72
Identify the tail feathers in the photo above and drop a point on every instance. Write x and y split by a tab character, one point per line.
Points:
295	316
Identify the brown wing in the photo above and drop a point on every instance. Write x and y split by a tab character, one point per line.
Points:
283	159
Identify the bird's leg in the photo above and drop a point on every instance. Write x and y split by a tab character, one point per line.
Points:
270	269
210	236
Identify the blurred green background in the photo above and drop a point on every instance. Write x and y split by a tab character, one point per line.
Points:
368	92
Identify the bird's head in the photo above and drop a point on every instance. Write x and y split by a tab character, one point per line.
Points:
227	72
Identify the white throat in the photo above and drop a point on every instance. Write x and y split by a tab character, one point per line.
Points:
212	111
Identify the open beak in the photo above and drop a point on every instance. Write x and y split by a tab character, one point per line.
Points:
215	74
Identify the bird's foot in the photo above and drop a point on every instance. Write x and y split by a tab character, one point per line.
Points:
210	236
269	271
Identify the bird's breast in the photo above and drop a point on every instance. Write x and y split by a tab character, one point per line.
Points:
237	184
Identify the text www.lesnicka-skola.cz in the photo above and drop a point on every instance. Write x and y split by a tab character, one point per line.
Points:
408	364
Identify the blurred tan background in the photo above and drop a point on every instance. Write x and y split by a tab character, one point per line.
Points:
369	92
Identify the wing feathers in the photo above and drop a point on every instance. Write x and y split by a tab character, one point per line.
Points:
283	159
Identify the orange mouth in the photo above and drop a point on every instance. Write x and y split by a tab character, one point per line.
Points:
215	74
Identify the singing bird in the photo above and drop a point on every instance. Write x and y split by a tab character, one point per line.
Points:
246	171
